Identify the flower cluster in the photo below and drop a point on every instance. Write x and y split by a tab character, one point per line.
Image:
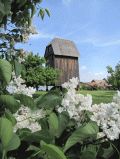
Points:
27	118
107	116
17	86
75	103
27	31
21	55
71	84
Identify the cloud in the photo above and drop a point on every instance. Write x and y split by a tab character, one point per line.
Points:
74	31
83	67
86	75
108	43
42	35
99	42
66	2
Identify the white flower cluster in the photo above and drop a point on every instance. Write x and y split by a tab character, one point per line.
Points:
26	31
75	103
17	86
22	55
107	116
27	118
71	84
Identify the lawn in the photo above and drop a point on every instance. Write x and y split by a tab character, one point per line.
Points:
100	96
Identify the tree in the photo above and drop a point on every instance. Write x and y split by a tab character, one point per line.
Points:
114	78
51	76
16	24
37	73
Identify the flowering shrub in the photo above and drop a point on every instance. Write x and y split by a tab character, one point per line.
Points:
58	125
17	85
107	116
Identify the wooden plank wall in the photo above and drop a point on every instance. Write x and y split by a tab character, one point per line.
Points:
68	67
50	60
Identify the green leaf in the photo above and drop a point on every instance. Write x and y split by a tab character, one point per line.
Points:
10	117
43	123
25	100
18	68
33	10
89	152
42	13
5	7
21	3
49	100
23	133
5	71
107	152
38	136
47	11
14	143
6	131
90	130
53	123
53	151
10	102
23	72
2	8
63	120
34	148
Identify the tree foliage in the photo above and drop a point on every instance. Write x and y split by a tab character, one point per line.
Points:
114	78
16	18
37	73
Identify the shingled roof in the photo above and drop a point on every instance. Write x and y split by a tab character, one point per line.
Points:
64	47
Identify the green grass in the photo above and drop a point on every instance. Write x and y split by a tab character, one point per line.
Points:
99	96
38	93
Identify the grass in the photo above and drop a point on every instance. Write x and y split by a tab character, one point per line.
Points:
100	96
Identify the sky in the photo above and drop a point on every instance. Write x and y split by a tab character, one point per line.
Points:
93	25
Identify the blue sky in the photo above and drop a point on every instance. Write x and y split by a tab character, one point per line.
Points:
94	26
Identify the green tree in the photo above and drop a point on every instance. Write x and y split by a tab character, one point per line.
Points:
37	73
16	24
51	76
114	77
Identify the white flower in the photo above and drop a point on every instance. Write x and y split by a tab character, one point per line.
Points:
71	84
107	117
27	118
17	86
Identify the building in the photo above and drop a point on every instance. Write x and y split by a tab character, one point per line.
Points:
63	55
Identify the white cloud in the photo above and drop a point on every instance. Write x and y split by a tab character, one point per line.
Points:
86	75
83	67
66	2
77	30
99	42
42	35
108	43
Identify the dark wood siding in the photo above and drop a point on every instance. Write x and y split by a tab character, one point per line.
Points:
68	67
50	61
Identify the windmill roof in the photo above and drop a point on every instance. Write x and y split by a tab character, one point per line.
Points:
64	47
